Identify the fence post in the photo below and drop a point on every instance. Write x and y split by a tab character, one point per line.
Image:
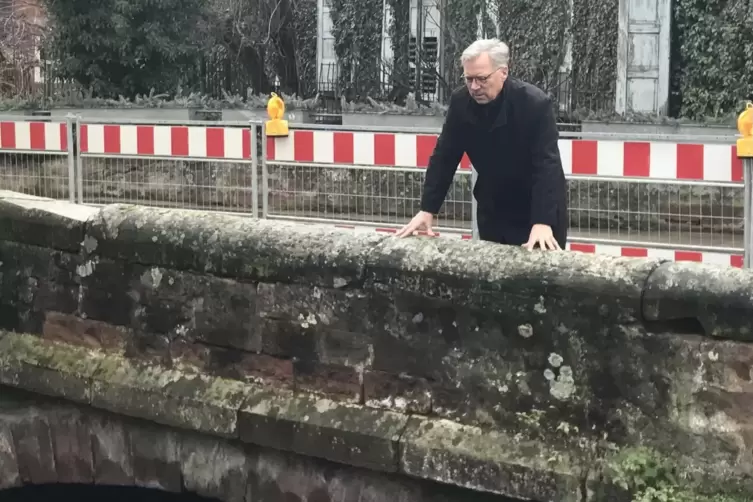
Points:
748	221
474	205
745	153
79	162
254	172
70	122
264	174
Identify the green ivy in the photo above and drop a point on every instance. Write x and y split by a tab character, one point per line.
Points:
537	39
304	25
713	74
538	48
399	31
647	476
594	65
461	23
357	29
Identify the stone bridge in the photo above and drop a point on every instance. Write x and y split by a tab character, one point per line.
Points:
259	361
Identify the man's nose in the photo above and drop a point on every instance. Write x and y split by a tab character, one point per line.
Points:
475	85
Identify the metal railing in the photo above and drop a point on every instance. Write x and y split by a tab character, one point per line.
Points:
362	177
679	197
36	157
201	165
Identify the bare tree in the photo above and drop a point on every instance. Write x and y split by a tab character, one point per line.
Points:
21	29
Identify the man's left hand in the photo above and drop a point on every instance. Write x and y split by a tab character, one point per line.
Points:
541	235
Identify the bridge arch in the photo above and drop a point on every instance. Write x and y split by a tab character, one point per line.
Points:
46	443
94	493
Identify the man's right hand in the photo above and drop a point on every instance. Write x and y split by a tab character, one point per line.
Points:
422	221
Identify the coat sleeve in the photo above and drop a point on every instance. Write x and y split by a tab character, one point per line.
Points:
548	176
443	162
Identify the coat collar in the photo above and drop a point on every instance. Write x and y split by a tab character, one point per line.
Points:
472	109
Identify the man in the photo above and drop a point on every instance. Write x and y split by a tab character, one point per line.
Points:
508	129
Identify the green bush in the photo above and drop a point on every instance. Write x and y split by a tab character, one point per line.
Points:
118	47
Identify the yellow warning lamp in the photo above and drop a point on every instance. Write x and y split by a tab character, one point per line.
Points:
276	126
745	126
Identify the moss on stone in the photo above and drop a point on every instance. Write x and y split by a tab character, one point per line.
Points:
170	396
324	428
491	460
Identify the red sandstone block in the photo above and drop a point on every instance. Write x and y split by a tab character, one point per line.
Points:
74	330
396	392
336	382
262	367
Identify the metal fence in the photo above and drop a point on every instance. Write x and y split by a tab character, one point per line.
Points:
204	165
679	197
36	157
370	177
669	196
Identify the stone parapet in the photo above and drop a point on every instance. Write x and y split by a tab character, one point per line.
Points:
489	367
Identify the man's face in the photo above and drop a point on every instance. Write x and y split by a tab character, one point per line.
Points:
484	81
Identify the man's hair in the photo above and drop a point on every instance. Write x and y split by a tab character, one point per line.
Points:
498	52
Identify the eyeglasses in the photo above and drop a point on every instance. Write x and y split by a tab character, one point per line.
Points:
480	80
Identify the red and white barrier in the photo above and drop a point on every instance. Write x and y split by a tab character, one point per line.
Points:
667	254
655	160
405	150
166	141
34	136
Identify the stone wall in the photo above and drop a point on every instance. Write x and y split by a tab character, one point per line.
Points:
487	367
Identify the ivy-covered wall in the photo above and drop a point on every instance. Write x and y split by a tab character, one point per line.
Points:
594	65
712	57
538	32
357	28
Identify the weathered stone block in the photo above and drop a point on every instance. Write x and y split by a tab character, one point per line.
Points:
113	464
44	222
400	393
156	458
323	428
316	342
214	310
49	368
713	404
478	365
489	461
32	281
231	246
168	396
105	291
9	475
513	281
34	451
72	444
212	469
311	306
718	299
